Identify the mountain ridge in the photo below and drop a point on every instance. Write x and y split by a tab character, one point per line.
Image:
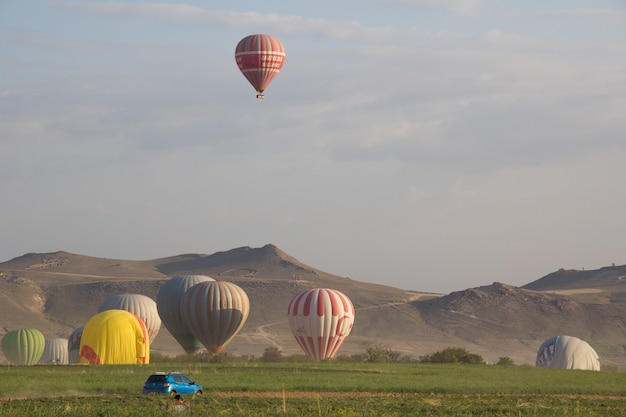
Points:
59	291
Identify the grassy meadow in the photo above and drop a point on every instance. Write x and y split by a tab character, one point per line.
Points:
311	389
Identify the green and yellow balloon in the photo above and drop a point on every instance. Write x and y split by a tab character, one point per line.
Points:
23	346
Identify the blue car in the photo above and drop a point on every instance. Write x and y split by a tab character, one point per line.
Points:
171	383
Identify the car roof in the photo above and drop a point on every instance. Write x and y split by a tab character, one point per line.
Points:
167	373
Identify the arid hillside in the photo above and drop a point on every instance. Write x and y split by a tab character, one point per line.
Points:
57	292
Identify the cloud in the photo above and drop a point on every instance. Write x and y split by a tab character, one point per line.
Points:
605	15
462	7
249	20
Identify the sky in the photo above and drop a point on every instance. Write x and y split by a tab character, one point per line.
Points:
430	145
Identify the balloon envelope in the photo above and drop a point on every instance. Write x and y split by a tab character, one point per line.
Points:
215	311
260	58
115	337
320	319
73	345
169	301
567	352
141	306
55	352
23	346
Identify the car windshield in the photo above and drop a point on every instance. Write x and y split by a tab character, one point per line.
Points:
157	378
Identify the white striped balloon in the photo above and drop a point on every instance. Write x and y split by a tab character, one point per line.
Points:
140	305
320	319
169	301
55	352
215	311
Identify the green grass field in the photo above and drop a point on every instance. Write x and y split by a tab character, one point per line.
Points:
325	389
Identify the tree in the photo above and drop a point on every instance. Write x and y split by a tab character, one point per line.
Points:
379	353
271	354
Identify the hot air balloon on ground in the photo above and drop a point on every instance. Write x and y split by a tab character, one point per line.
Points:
73	345
215	311
168	302
23	346
567	352
115	337
320	319
260	58
141	306
55	352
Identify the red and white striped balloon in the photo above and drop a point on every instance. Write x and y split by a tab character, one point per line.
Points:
260	58
320	319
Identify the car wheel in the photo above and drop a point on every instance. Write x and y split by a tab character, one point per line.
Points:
197	394
173	393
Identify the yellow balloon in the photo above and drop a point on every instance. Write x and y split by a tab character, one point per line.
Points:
115	337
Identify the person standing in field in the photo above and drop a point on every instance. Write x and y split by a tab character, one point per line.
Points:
179	405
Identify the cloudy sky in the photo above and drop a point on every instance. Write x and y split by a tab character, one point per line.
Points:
431	145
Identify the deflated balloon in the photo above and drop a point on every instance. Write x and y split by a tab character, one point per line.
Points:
320	319
23	346
115	337
215	311
169	301
567	352
73	345
55	352
260	58
141	306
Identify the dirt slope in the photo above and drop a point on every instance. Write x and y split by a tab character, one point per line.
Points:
56	292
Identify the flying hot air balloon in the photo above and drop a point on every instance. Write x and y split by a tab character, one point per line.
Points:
114	337
23	346
141	306
168	302
215	311
260	58
320	319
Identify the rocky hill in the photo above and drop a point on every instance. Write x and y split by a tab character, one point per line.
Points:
57	292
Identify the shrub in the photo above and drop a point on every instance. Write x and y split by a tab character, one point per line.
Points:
505	361
453	355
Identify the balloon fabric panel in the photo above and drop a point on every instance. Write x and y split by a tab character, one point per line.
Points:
73	345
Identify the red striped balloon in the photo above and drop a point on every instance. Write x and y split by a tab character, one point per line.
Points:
215	311
260	58
320	319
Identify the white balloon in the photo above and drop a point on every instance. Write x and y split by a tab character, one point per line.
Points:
169	300
55	352
141	306
567	352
